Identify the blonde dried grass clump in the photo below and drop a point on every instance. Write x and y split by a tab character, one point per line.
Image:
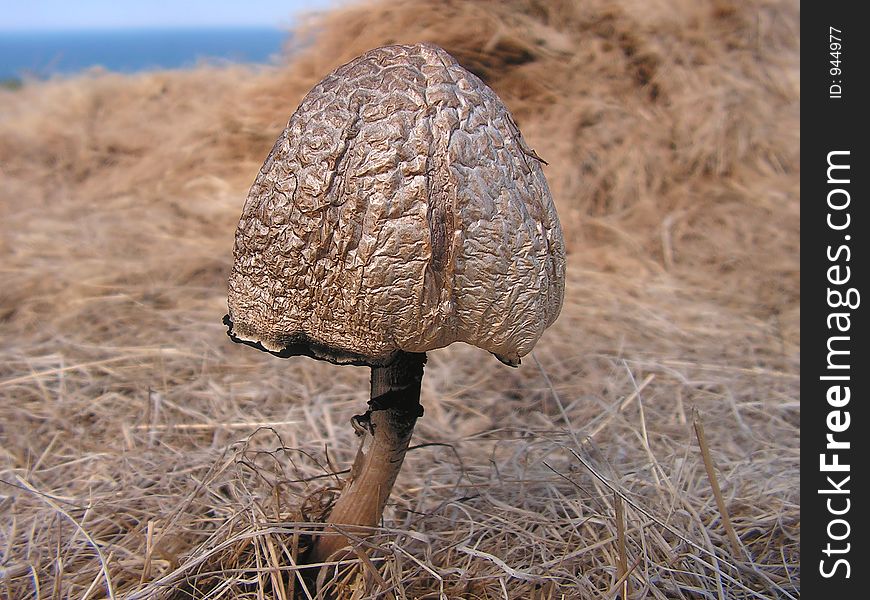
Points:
142	455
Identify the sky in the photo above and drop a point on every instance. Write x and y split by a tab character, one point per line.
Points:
31	15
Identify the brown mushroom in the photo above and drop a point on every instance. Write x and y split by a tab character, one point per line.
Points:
399	211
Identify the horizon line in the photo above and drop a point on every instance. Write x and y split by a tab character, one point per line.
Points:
154	27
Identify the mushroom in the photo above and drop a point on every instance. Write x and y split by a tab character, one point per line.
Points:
399	211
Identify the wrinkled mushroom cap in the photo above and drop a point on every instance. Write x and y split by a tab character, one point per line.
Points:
400	210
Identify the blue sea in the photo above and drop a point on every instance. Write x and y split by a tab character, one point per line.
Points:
42	54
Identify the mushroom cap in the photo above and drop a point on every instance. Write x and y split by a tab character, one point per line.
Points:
399	210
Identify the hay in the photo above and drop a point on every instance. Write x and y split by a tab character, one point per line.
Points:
142	455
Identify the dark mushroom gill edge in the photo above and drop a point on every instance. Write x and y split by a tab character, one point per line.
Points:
300	344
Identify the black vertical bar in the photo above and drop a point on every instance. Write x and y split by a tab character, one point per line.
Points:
834	261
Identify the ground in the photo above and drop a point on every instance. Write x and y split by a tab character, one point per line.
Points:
144	455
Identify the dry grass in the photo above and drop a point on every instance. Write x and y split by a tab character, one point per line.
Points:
142	455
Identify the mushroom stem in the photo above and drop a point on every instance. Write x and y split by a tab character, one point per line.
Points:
386	429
